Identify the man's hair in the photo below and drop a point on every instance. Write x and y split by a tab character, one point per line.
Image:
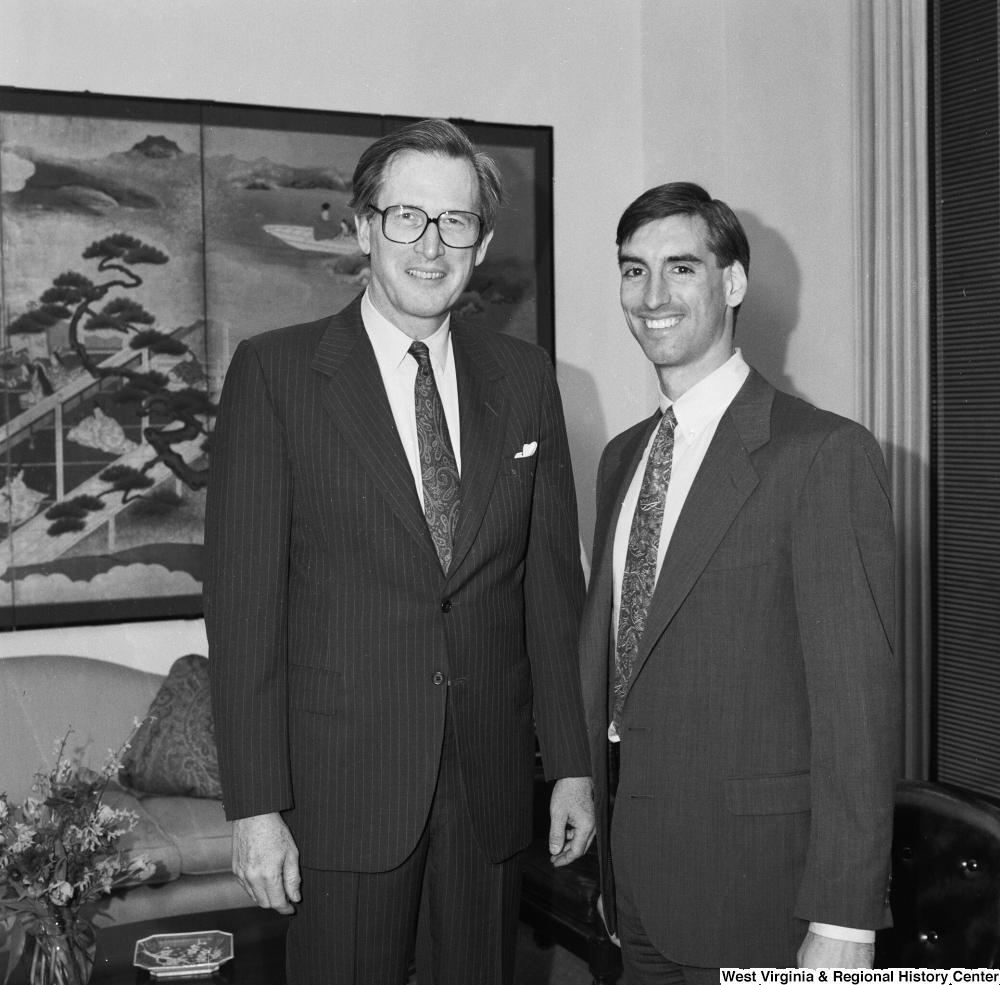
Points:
426	137
726	236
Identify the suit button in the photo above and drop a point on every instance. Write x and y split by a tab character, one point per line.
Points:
438	678
446	605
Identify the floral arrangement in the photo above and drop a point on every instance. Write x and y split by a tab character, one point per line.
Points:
58	851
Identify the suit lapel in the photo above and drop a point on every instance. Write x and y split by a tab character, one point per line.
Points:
354	396
482	408
723	484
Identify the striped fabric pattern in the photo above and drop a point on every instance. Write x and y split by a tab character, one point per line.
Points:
361	926
334	634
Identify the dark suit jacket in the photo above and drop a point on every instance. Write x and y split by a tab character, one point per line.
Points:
760	730
334	635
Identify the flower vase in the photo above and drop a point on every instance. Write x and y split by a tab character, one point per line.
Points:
64	958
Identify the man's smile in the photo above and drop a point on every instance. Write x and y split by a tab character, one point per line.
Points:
425	274
668	322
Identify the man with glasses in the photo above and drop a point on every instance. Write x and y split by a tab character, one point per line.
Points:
392	597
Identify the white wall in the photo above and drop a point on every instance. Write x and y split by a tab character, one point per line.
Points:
753	100
573	66
749	97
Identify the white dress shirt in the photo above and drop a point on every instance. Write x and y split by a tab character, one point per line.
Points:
399	374
698	412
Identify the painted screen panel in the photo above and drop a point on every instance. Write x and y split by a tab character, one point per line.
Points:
104	361
140	242
280	241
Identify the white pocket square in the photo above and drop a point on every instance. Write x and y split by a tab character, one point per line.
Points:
528	450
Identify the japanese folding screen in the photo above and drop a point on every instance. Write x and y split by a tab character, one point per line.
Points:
140	241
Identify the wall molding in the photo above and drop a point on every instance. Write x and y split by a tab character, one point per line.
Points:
893	317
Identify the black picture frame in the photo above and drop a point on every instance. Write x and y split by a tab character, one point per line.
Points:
75	172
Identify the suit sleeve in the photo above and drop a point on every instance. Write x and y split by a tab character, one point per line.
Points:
844	570
595	626
553	593
247	527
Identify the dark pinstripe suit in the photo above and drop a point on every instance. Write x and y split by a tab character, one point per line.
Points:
336	638
760	733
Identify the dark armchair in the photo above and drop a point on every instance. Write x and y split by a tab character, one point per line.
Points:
945	881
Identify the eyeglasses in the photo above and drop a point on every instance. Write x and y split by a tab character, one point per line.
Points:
407	223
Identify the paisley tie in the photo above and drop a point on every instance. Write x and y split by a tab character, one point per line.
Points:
639	577
438	470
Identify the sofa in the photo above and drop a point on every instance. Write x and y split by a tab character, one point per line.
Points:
187	839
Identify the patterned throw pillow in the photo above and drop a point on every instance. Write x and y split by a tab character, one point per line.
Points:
174	750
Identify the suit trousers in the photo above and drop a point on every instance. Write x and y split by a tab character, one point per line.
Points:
642	962
459	909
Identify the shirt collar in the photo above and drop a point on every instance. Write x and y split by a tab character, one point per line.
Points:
392	345
709	397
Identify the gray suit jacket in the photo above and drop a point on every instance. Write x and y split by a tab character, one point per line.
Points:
760	731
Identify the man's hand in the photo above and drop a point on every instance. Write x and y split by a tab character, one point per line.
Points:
600	909
818	951
572	812
266	861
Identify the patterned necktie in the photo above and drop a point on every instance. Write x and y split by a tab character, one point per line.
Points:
639	577
438	470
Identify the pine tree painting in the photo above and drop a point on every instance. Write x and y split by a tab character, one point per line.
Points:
106	412
184	412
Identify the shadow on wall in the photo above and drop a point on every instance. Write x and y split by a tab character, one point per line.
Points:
587	430
770	314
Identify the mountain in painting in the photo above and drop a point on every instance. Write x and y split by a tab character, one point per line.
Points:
156	147
264	174
76	186
144	177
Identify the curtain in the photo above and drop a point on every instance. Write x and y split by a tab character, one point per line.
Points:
893	323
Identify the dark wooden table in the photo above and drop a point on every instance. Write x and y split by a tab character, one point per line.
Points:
560	905
258	948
